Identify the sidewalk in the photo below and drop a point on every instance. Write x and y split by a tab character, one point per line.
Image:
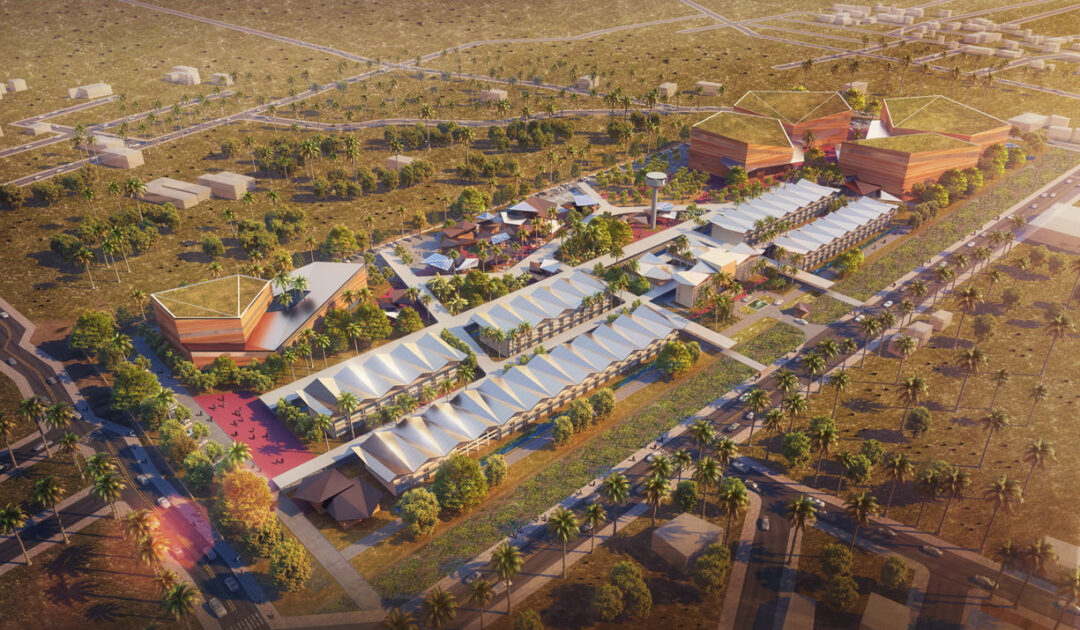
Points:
740	563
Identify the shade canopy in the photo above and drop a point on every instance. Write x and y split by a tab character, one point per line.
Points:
439	261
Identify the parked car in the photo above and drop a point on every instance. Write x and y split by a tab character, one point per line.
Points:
818	503
218	608
984	582
143	480
749	415
11	361
731	428
931	550
40	446
800	321
739	467
51	380
763	523
886	532
164	503
860	317
888	304
232	584
752	485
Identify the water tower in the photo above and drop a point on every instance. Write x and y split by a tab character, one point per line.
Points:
655	180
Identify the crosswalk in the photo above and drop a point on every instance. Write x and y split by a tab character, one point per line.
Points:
91	436
251	622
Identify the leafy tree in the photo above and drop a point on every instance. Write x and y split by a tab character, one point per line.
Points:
562	430
675	359
91	331
607	603
495	469
796	447
711	568
736	176
637	600
580	414
685	495
626	573
873	450
198	470
836	559
246	500
132	383
340	243
895	573
528	620
408	322
289	566
918	420
262	541
841	593
212	246
470	202
419	509
602	403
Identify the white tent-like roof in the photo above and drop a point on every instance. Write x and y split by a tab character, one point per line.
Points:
777	203
542	301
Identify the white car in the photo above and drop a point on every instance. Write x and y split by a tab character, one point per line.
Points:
984	581
818	503
731	428
1044	195
11	361
887	304
886	532
752	485
143	480
218	608
931	550
744	396
3	315
970	244
164	503
860	317
763	524
800	321
1034	206
40	446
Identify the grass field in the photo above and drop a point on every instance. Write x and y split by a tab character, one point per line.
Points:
767	339
9	403
825	309
88	583
871	409
567	603
16	489
399	567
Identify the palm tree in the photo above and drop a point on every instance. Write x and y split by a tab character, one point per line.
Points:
706	474
1072	290
733	499
348	403
1040	554
180	601
927	485
997	421
1070	589
1057	327
897	468
563	527
480	593
757	400
1000	377
506	561
165	579
969	360
134	187
107	488
815	365
794	405
7	425
801	513
1007	554
823	437
69	445
967	299
1002	493
47	492
840	381
152	550
1037	453
906	346
12	519
702	432
100	464
237	453
726	452
139	524
616	489
59	415
593	516
32	409
860	507
773	423
439	608
681	460
953	483
1039	392
321	425
786	381
870	327
887	320
656	492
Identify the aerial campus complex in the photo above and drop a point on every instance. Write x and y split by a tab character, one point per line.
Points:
693	313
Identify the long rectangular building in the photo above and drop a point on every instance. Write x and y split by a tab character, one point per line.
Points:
408	452
897	163
835	233
793	203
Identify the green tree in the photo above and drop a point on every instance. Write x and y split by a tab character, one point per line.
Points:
48	492
460	483
836	559
419	510
180	601
616	489
439	608
656	492
12	519
860	507
495	469
562	430
841	593
506	561
895	574
711	568
481	593
801	513
563	527
289	566
796	448
607	603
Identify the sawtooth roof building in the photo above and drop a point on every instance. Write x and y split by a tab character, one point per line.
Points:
794	203
408	452
834	233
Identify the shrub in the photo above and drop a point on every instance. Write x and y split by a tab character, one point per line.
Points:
918	420
685	495
495	469
895	573
528	620
289	566
263	540
637	600
626	573
459	483
675	358
420	511
796	447
711	569
608	602
562	430
836	559
408	322
841	593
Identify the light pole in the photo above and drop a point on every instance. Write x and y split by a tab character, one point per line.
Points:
655	180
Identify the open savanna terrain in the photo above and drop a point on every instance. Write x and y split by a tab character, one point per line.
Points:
871	409
392	32
56	46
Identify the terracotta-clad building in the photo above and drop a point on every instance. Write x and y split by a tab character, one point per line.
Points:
896	163
728	139
939	114
244	317
826	114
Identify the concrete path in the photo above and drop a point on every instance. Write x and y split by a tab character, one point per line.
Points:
372	539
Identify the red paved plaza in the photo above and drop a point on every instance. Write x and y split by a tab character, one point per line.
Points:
274	448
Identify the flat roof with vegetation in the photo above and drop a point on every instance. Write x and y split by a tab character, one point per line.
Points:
915	143
793	107
223	297
746	128
941	114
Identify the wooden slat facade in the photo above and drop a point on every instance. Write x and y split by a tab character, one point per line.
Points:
707	151
896	171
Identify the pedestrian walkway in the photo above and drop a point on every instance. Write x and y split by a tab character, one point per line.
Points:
372	539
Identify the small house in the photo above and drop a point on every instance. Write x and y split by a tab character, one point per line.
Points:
940	320
122	157
683	539
16	85
668	89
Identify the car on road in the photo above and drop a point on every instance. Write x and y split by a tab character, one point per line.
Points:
232	584
1044	195
51	380
860	317
749	415
763	523
818	503
1034	206
744	396
143	479
164	503
931	550
887	304
218	608
3	467
3	315
800	321
752	486
1053	195
472	577
984	581
739	467
731	428
11	361
40	446
886	532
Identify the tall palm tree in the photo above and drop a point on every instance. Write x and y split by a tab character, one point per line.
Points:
997	421
999	377
656	492
906	346
794	405
823	437
59	415
786	381
801	513
887	320
660	466
348	403
927	485
165	579
840	381
180	601
680	461
702	432
969	361
1057	327
1037	453
480	593
439	608
757	401
107	488
152	549
506	561
911	391
733	499
139	524
967	299
897	468
1070	589
563	527
69	445
1038	393
815	365
32	409
860	507
47	492
1003	493
616	489
773	423
237	454
706	474
870	327
1007	554
953	484
726	452
593	517
12	519
398	619
1039	555
7	425
1075	266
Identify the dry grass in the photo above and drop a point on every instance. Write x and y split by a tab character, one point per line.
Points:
870	409
58	46
17	489
90	582
9	403
676	601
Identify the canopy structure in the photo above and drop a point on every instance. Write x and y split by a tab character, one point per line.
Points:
501	237
583	200
487	216
439	262
322	486
468	263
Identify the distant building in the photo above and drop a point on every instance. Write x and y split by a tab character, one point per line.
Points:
709	88
668	89
239	316
492	96
16	85
221	78
397	162
227	185
122	157
94	90
787	203
182	195
829	236
588	82
183	75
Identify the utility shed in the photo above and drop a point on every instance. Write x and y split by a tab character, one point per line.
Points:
37	129
227	185
16	85
940	320
682	539
668	89
183	75
94	90
921	332
221	78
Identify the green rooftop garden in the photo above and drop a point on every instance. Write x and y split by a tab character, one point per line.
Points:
940	114
793	107
224	297
746	128
915	143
